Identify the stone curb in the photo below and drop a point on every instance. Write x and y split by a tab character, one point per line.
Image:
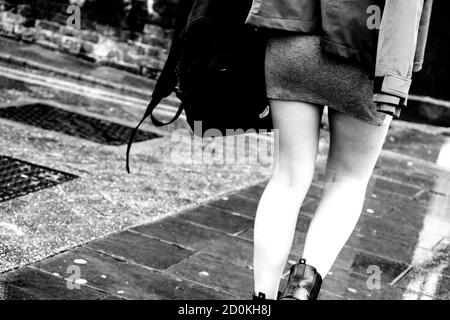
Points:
6	58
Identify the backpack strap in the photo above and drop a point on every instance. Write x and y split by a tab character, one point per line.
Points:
149	112
167	80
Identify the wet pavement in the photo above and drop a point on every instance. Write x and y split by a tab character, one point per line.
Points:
176	230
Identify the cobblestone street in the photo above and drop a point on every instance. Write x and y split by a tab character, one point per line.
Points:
182	231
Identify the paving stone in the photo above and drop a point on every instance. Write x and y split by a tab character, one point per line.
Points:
386	204
237	204
245	206
181	232
383	186
29	284
371	207
301	228
395	250
217	218
353	286
215	272
408	232
415	143
349	259
128	281
407	176
402	164
364	263
141	249
237	251
255	192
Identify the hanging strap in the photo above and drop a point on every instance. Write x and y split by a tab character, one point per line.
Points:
167	81
149	112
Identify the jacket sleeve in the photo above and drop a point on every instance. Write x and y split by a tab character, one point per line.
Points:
396	50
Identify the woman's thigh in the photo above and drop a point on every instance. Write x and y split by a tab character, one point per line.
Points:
297	138
354	146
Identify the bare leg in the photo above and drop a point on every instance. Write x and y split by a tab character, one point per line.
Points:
298	125
354	149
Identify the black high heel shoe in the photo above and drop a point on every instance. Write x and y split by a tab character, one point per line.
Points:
304	283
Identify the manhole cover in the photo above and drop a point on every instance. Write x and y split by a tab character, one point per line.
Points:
56	119
18	178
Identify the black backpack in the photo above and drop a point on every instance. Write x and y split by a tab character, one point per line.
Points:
216	68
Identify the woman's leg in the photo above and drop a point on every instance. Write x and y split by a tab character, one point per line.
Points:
354	149
297	142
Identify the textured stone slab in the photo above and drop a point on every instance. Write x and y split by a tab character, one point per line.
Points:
377	204
349	259
237	251
217	218
123	280
394	250
353	286
213	271
408	232
179	231
415	143
407	176
140	249
366	264
237	204
299	237
383	186
255	192
29	284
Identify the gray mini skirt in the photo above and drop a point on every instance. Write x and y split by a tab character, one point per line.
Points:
297	69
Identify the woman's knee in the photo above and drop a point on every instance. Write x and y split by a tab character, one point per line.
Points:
345	175
295	176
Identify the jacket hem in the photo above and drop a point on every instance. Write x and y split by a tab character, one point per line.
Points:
295	25
388	109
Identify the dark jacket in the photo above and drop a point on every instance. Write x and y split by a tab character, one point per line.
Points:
386	36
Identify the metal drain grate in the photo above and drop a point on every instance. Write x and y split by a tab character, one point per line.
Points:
74	124
18	178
